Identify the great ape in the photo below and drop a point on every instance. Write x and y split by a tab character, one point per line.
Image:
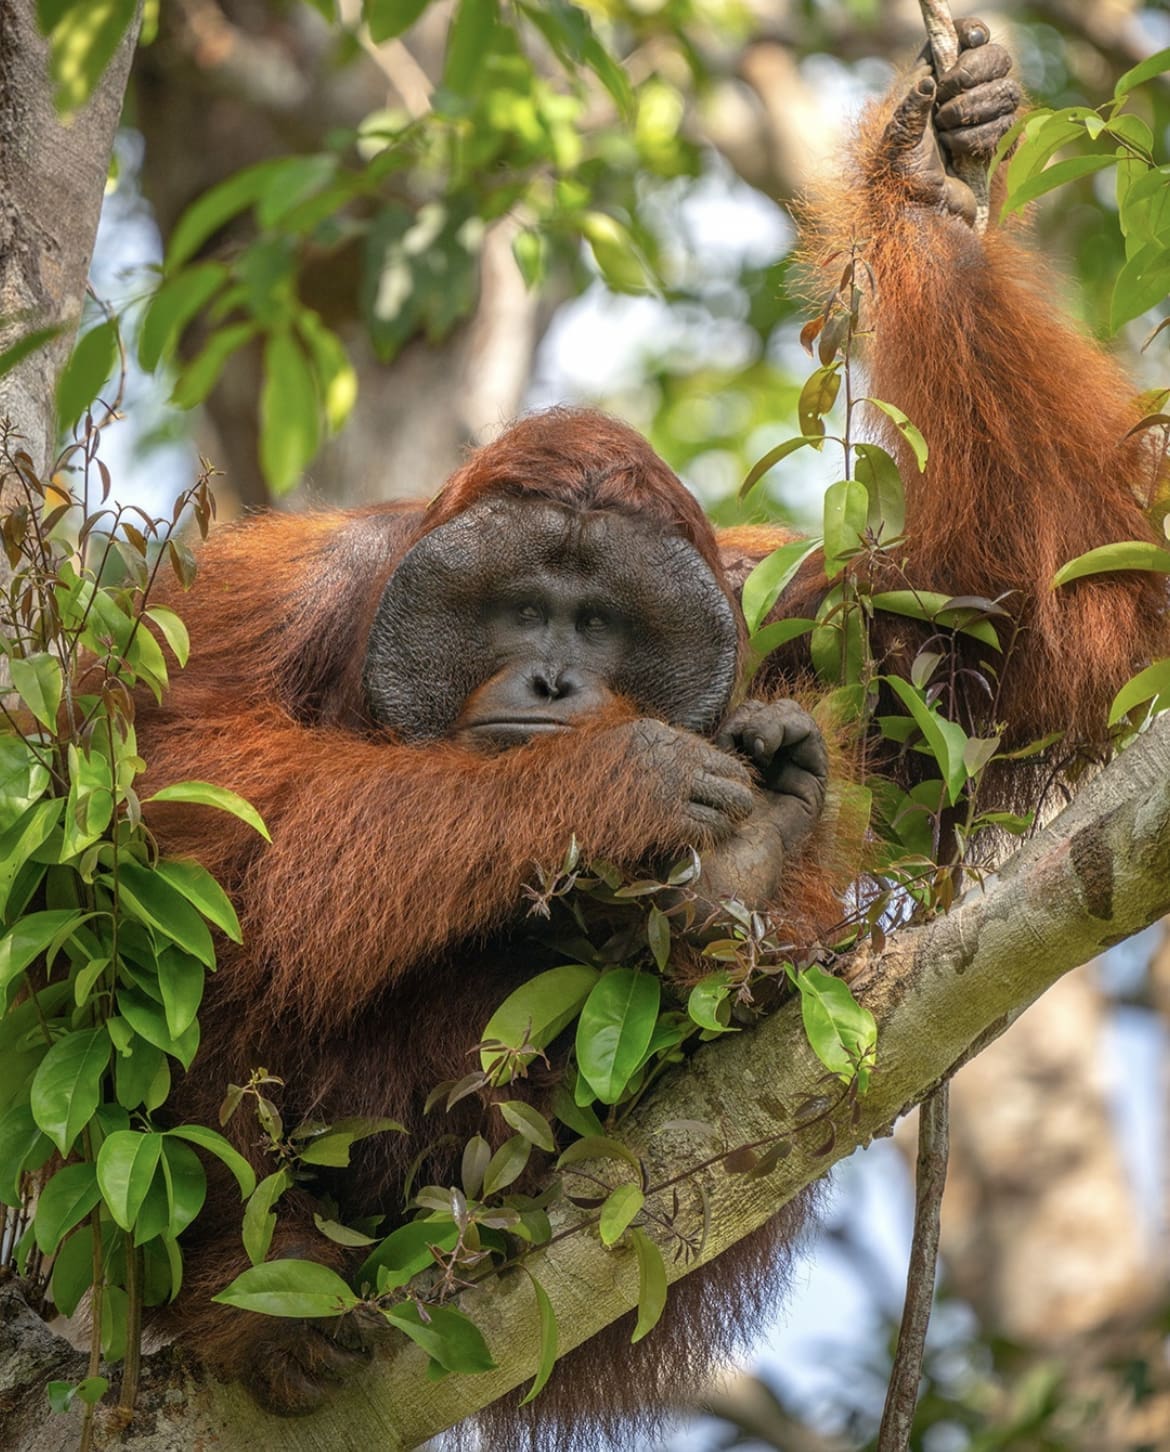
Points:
423	702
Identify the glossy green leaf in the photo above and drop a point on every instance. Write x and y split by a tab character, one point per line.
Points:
126	1166
197	378
946	740
768	461
768	581
26	836
204	794
651	1283
614	1029
935	607
29	937
37	679
214	1143
155	902
709	1002
259	1217
73	1270
817	397
620	1207
289	1288
66	1088
63	1203
180	980
537	1011
528	1122
22	1147
447	1335
886	514
1152	684
333	1147
174	632
839	1029
507	1164
906	428
846	509
186	1185
1059	174
1129	554
405	1252
548	1341
1146	70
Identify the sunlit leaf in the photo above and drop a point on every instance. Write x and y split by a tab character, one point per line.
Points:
620	1207
289	1288
614	1029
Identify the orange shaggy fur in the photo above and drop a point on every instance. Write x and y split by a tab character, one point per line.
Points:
381	925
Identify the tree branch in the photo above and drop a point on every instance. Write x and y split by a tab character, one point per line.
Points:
940	993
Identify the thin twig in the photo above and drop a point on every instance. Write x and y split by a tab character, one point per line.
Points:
931	1175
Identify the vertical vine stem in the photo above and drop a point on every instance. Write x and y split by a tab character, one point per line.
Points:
944	46
930	1178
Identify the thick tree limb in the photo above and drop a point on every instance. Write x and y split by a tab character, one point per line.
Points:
52	178
940	993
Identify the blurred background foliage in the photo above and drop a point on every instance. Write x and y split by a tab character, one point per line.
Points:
383	229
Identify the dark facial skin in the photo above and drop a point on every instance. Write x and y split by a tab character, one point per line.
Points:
520	618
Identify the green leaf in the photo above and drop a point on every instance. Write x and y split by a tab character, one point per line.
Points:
336	376
148	1018
63	1203
569	31
846	510
66	1088
908	430
548	1341
23	780
405	1252
537	1011
204	794
38	681
651	1283
507	1164
186	1185
1059	174
842	1033
214	1143
26	346
94	359
26	836
209	212
708	1002
83	36
180	981
155	902
598	1147
72	1271
173	630
387	18
126	1165
1152	684
768	462
1153	65
468	41
197	378
289	1288
886	514
614	1029
620	1207
615	253
528	1122
936	608
771	577
447	1335
341	1234
817	397
332	1148
22	1147
198	886
946	739
29	937
259	1219
289	432
1130	554
658	936
174	305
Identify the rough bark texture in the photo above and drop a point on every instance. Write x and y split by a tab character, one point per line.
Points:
52	178
940	993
